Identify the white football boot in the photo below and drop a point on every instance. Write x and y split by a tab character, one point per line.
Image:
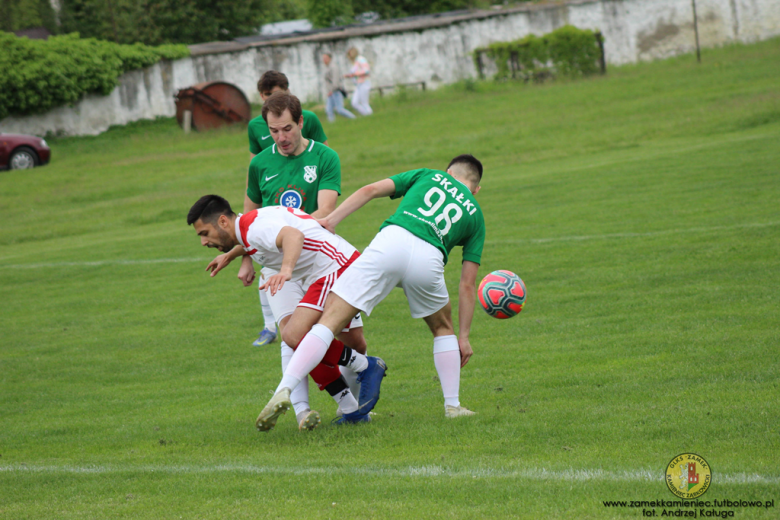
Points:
278	405
308	420
457	411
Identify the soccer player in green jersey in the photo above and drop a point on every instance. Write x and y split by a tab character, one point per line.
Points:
259	139
438	212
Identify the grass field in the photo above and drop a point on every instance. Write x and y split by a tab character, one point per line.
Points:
642	210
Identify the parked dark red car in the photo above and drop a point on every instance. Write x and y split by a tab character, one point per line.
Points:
18	152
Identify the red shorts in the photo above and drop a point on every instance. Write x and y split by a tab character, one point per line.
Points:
328	369
318	291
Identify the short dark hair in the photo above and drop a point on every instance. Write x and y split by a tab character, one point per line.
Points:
271	79
472	164
281	101
208	209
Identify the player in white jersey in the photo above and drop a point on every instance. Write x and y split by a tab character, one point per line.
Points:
292	243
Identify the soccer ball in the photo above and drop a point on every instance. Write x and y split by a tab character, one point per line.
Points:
502	294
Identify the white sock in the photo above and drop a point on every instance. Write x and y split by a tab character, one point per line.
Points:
300	394
346	401
446	357
308	355
351	377
268	315
358	362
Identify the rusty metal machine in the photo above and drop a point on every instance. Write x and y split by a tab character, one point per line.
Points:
210	105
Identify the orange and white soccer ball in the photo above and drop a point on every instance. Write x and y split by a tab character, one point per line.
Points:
502	294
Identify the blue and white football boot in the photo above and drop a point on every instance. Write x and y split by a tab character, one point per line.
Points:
266	337
370	380
352	418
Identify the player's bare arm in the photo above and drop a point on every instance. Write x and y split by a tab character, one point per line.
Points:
290	242
383	188
326	203
467	295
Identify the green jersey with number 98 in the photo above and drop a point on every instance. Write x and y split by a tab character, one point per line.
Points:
441	210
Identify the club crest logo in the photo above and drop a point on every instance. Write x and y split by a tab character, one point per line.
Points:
688	476
310	174
292	197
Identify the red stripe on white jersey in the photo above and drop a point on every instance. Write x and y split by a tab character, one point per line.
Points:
327	249
329	281
244	222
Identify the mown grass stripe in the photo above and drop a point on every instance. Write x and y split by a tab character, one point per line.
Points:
607	236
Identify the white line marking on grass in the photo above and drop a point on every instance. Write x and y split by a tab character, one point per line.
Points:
570	475
633	235
100	263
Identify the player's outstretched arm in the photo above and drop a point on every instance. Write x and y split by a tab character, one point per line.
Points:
290	241
383	188
467	296
223	260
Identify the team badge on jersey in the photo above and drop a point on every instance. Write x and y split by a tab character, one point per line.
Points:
291	199
310	173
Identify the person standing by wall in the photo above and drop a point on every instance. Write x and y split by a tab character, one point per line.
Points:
361	72
334	90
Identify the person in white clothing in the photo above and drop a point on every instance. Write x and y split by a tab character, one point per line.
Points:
361	72
303	254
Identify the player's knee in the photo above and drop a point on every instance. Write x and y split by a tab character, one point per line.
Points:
282	325
291	337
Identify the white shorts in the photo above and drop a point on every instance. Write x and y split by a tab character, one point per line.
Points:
284	302
396	258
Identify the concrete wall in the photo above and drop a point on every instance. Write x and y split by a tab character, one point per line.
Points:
436	50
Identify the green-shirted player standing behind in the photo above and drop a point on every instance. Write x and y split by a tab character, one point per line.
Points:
438	212
259	139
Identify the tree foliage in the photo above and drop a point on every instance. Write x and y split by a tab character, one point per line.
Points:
401	8
16	15
155	22
324	13
37	75
162	21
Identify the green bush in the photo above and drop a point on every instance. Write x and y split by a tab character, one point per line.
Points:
567	51
38	75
